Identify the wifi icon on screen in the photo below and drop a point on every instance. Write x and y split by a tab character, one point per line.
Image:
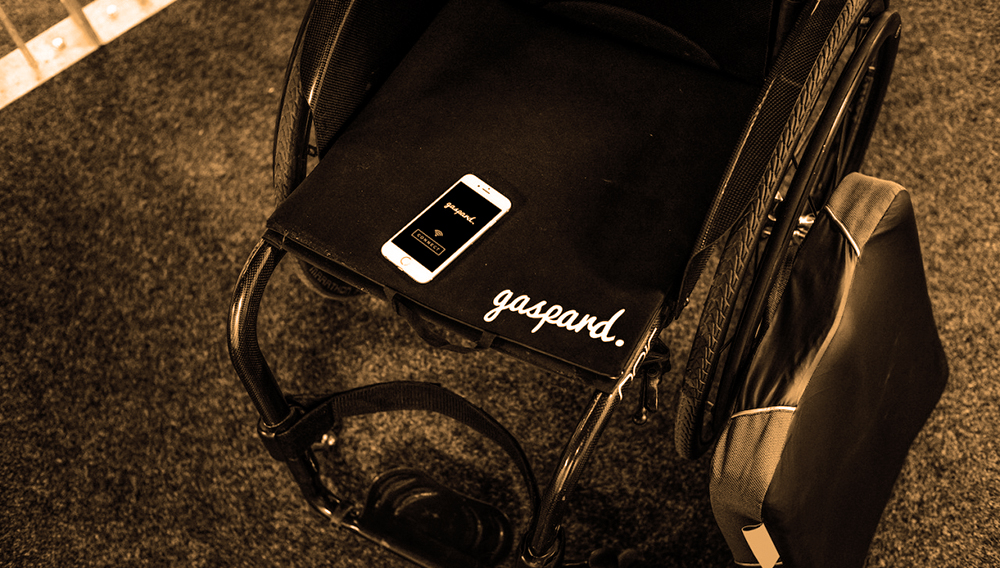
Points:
438	233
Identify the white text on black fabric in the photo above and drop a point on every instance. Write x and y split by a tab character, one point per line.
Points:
570	320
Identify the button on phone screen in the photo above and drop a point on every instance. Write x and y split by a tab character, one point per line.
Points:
441	230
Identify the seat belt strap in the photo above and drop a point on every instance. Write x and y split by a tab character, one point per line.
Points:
320	414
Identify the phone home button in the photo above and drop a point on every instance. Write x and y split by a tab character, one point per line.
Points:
405	261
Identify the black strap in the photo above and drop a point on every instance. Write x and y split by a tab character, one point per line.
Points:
320	414
425	332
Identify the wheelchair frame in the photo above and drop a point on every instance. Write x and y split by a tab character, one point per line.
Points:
791	90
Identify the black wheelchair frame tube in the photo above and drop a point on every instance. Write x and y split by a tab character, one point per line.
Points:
256	376
543	545
260	383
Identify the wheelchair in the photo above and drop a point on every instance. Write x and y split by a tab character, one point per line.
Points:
638	143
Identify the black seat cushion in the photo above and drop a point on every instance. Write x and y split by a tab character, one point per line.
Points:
610	153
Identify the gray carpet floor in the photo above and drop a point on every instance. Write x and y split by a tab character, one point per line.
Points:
132	188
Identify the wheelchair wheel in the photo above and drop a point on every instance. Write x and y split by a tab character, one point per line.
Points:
294	155
851	82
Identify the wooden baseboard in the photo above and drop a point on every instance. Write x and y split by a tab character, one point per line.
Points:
57	48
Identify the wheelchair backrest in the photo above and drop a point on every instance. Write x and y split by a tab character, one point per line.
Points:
735	36
350	47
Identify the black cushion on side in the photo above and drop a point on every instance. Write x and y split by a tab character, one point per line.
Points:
873	390
610	154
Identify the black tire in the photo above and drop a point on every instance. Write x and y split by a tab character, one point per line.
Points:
842	100
294	156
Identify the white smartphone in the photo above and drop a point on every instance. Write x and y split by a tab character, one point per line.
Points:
432	240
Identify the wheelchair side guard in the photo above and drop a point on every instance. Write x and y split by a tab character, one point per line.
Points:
405	508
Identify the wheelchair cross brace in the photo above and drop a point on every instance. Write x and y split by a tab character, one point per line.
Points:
289	428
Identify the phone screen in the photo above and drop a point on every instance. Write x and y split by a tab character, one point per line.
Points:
446	226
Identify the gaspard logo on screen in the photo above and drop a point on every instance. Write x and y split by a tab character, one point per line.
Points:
460	213
570	320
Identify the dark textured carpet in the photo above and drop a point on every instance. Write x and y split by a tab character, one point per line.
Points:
133	186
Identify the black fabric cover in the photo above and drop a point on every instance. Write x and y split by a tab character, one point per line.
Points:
844	379
732	35
610	152
349	47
